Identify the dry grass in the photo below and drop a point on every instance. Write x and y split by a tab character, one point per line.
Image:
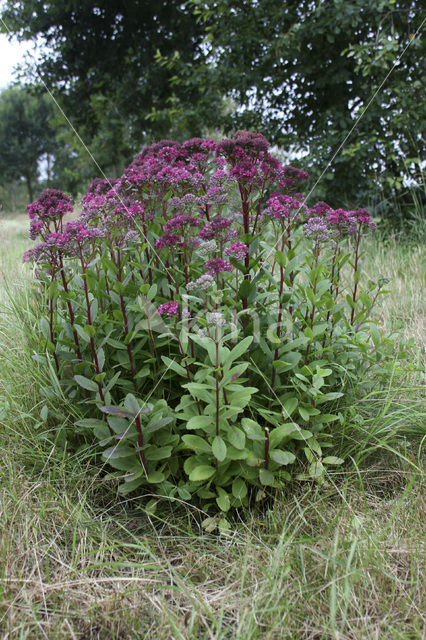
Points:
406	269
341	561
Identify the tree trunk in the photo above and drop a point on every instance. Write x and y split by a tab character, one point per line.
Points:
29	187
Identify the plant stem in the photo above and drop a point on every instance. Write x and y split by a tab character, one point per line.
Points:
217	380
125	323
70	310
358	240
266	447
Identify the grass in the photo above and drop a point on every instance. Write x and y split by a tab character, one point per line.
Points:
341	561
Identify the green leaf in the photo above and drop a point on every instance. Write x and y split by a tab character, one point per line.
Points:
119	412
292	358
118	452
222	500
253	430
127	487
200	422
316	470
282	457
155	425
266	477
290	405
89	329
155	477
174	366
375	335
280	258
202	472
101	358
86	383
273	338
132	404
219	448
158	453
112	382
276	436
90	423
333	460
81	333
236	437
239	349
239	488
196	443
310	294
245	289
301	434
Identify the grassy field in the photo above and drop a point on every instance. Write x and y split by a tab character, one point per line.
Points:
341	561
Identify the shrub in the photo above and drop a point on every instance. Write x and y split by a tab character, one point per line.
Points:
205	318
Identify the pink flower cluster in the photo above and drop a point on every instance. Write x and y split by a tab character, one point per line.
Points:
218	229
180	221
341	220
237	250
282	206
50	206
169	309
217	265
318	229
51	203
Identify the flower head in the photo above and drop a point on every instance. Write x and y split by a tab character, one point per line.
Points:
169	309
317	228
217	265
216	319
204	283
237	250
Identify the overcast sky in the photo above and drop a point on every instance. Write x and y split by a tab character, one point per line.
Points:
11	53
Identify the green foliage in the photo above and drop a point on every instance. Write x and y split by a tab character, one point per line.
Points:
25	136
312	70
104	63
304	73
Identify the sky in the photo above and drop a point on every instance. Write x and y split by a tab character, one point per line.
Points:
11	53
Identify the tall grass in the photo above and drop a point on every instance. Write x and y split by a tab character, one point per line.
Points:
343	560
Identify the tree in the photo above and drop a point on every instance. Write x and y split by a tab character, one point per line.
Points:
25	135
304	71
101	60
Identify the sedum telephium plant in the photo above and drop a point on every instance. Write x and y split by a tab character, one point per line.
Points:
206	318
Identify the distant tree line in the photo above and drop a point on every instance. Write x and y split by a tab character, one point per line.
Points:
303	72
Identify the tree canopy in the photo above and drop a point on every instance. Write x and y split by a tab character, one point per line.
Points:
24	135
303	72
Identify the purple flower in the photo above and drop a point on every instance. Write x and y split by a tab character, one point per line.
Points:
219	178
364	217
289	177
36	226
81	232
51	203
317	228
39	253
218	229
169	309
237	250
319	210
181	220
204	283
217	195
168	240
281	206
217	265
